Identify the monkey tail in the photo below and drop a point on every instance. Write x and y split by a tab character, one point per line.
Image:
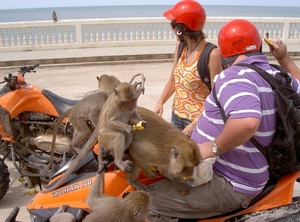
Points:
97	189
86	148
60	119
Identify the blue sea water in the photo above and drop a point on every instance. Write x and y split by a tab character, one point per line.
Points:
63	13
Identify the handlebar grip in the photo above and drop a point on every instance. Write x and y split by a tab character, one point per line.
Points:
13	215
34	66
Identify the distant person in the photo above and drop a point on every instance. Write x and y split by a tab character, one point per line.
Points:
187	21
54	17
279	51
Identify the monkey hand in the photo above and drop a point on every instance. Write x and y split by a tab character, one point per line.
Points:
202	173
181	185
127	166
140	125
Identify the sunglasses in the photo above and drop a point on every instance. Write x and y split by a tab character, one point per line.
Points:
173	24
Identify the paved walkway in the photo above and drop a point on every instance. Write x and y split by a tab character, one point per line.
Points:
104	55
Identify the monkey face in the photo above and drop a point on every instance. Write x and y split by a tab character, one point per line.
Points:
131	105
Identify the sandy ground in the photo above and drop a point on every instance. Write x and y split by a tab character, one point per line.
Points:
74	82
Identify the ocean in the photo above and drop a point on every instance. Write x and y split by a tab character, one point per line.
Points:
66	13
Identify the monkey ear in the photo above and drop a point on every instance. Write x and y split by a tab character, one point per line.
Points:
125	195
137	212
115	91
98	78
174	152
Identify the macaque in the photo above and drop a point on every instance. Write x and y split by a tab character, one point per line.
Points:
107	83
132	207
116	122
82	116
163	147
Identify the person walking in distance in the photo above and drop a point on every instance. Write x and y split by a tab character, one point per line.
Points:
54	16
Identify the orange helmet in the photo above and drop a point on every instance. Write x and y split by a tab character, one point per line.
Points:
237	37
187	12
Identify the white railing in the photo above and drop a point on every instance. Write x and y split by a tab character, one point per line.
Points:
66	34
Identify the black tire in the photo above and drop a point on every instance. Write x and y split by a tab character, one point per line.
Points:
4	178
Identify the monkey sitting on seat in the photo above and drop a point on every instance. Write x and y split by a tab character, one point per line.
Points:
116	122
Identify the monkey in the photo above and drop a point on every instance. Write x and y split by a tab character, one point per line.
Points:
164	147
87	109
116	122
107	83
160	145
132	207
61	215
54	16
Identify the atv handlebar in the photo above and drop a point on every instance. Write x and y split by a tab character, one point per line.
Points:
25	69
15	81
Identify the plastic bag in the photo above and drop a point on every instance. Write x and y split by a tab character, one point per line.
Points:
203	173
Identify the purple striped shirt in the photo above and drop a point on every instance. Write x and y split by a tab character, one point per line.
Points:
242	93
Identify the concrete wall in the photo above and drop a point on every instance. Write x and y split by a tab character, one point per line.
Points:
97	33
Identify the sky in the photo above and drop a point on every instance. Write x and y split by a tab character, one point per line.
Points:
14	4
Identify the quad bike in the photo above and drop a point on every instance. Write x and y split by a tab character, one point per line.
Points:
28	115
275	203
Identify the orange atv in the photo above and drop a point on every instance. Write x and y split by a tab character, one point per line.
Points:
276	201
28	115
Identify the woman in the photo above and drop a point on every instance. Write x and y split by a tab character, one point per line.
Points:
187	21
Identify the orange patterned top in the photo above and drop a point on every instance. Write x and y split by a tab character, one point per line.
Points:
190	90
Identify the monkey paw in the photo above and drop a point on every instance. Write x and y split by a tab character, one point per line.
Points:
182	186
127	166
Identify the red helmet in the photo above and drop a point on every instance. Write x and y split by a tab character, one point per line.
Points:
237	37
188	12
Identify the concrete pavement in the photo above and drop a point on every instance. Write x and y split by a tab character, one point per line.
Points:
104	55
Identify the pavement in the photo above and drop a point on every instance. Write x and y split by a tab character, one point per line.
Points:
71	73
103	55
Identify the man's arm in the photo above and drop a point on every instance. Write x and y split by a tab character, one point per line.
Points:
279	51
235	133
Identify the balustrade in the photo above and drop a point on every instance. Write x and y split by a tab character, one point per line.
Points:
42	35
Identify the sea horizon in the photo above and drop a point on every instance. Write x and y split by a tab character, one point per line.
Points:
94	12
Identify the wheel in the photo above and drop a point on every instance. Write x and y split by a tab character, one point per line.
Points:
4	178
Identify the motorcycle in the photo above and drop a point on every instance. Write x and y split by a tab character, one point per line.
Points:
275	203
28	115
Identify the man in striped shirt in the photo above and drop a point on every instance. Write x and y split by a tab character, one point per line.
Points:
240	169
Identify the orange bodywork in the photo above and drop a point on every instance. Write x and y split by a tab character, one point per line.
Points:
27	98
75	194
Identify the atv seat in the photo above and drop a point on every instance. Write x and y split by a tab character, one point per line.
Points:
271	184
61	104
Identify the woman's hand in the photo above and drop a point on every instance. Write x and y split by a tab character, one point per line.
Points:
189	129
159	109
